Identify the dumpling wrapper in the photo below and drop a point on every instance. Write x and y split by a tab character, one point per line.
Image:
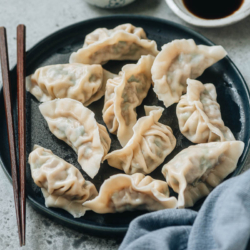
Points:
123	94
102	33
122	193
75	124
84	83
178	61
146	150
199	114
125	42
196	170
62	184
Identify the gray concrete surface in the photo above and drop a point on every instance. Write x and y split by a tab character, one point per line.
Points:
44	17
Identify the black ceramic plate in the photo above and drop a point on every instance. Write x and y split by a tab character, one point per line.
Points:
233	96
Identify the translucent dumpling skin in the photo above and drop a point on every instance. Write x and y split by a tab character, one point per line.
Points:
126	193
199	114
124	42
146	150
76	125
178	61
123	94
196	170
84	83
62	184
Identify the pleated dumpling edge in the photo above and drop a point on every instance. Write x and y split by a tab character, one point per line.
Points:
150	144
76	125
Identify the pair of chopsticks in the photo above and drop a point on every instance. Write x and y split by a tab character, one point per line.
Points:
18	186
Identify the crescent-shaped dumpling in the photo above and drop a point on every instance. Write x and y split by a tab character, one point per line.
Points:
62	184
151	143
123	94
125	42
199	114
75	124
122	193
84	83
178	61
196	170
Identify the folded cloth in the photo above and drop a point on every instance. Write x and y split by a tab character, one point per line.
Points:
223	222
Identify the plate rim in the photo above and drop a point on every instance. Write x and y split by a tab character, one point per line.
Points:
108	230
192	19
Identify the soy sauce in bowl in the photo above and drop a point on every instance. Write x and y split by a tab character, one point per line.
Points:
212	9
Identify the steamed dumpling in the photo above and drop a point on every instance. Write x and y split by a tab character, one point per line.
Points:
75	124
84	83
102	33
123	94
196	170
178	61
125	42
146	150
62	184
122	193
199	114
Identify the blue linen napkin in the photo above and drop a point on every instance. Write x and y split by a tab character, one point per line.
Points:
223	222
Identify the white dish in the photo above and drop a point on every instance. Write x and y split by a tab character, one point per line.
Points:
109	4
181	11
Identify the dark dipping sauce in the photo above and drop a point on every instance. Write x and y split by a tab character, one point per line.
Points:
212	9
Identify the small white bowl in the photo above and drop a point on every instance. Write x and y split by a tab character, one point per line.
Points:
109	4
181	11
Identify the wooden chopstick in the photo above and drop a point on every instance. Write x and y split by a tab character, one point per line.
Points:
10	124
21	121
